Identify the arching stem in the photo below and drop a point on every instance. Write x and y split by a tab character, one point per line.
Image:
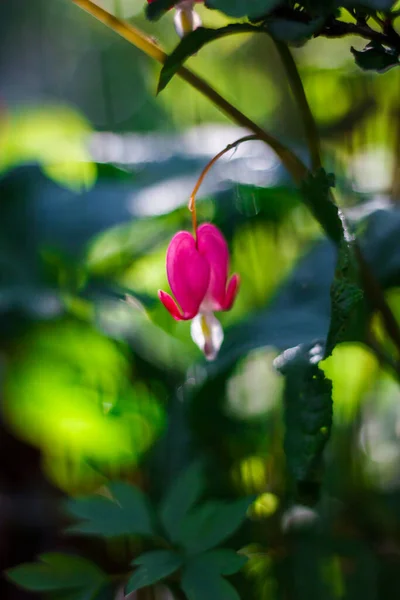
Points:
192	201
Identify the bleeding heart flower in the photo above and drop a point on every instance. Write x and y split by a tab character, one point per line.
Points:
197	272
186	19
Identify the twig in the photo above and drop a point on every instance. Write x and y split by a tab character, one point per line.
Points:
335	28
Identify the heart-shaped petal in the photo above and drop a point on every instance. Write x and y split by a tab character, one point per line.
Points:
188	273
212	245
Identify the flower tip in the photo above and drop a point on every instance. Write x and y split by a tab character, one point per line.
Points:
207	334
170	305
232	291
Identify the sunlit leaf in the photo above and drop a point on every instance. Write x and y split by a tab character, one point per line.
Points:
54	136
153	566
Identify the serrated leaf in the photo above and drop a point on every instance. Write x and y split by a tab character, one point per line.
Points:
244	8
199	583
180	498
127	513
348	309
307	409
212	523
153	566
59	572
192	43
376	57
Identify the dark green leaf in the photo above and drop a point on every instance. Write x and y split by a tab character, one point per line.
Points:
376	57
378	5
348	309
192	43
244	8
308	409
127	514
316	192
286	30
156	9
180	498
223	561
153	566
200	583
212	523
58	572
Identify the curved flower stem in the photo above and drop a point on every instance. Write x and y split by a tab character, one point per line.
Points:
299	94
192	201
133	35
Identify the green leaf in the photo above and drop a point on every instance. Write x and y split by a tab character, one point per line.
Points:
127	514
244	8
307	409
212	523
316	192
56	138
156	9
192	43
153	566
58	572
286	30
376	57
223	561
200	583
348	308
180	498
379	5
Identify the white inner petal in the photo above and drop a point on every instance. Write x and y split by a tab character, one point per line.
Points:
207	334
186	19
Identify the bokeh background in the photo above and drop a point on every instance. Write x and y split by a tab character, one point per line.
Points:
95	174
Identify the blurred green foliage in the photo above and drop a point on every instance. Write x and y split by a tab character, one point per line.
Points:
95	176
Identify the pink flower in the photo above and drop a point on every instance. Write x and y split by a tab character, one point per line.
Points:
198	275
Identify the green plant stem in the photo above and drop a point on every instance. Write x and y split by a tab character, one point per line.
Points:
296	85
133	35
372	289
